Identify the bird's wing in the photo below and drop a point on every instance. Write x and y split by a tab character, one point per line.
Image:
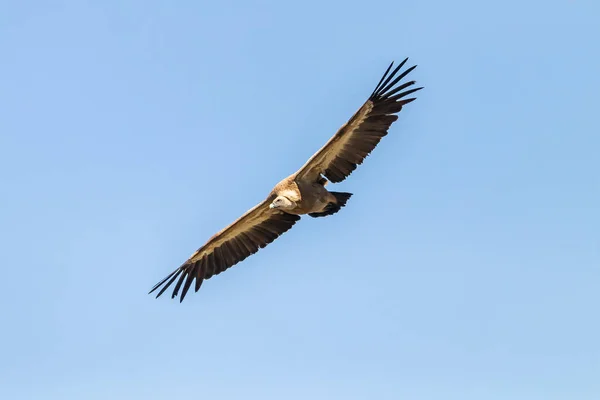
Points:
359	136
253	230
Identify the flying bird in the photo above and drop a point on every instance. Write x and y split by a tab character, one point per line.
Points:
301	193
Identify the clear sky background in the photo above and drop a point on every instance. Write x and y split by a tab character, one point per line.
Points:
466	266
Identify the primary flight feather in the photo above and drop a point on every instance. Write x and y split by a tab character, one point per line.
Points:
302	192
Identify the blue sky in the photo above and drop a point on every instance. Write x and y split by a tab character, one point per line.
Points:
466	266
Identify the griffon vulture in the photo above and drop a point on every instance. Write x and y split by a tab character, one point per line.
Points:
303	192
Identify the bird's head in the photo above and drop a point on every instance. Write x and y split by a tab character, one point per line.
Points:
282	203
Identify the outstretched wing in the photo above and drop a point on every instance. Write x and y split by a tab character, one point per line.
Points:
253	230
359	136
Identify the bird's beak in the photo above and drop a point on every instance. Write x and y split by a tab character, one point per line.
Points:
271	205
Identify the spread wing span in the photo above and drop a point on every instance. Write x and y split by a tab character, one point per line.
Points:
255	229
358	137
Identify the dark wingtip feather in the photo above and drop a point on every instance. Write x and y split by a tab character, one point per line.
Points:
403	94
386	78
159	284
191	274
385	91
174	275
404	102
385	87
382	78
178	286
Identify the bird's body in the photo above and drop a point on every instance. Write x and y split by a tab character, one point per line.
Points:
307	197
302	193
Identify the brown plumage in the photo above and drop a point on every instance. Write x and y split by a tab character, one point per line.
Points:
302	192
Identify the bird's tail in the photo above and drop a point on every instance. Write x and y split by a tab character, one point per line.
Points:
340	201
